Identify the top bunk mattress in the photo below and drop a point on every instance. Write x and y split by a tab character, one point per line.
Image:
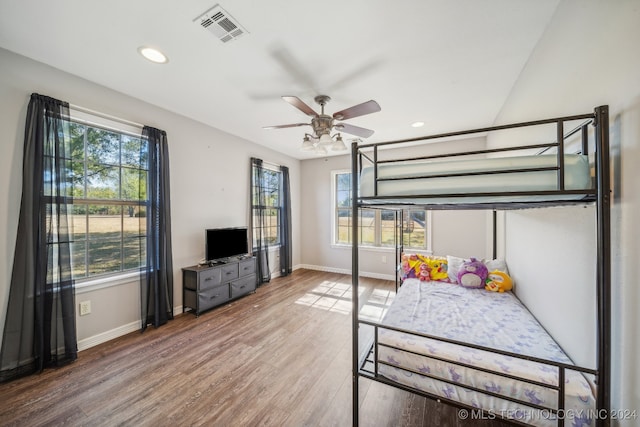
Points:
487	175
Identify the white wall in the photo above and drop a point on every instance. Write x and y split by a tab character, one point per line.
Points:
461	233
587	57
209	182
546	251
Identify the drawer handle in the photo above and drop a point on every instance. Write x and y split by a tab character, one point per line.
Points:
215	296
208	278
242	287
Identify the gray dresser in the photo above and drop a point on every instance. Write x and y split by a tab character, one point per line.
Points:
205	287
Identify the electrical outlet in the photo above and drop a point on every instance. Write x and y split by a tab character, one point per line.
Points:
384	259
85	308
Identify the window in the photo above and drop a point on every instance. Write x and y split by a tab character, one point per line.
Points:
108	217
267	201
414	229
375	226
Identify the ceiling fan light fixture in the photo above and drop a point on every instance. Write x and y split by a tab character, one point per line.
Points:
320	150
325	139
307	145
338	144
320	139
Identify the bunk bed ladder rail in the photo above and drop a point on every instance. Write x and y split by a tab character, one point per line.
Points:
398	237
603	271
355	304
560	153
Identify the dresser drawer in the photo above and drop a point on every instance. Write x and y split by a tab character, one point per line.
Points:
247	266
229	272
210	278
207	286
243	286
212	297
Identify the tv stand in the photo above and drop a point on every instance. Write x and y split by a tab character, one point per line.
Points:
217	282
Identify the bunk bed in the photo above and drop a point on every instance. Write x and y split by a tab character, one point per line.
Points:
414	350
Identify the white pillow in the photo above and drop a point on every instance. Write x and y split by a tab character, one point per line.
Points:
496	264
453	266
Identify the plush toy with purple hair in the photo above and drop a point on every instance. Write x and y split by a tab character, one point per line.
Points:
473	274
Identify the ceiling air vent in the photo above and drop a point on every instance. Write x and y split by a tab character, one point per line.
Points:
221	24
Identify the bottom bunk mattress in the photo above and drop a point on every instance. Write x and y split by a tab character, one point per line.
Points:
476	377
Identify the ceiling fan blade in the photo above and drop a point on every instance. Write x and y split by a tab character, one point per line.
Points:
297	102
294	67
354	130
357	74
357	110
286	126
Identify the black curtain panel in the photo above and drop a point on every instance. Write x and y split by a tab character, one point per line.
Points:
156	284
285	224
40	329
258	219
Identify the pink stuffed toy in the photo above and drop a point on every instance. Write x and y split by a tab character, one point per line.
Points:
473	274
424	272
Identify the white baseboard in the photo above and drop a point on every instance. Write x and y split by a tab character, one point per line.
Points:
108	335
345	271
115	333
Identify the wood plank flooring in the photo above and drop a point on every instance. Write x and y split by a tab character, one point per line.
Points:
278	357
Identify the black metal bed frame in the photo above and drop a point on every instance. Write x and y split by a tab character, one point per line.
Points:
598	194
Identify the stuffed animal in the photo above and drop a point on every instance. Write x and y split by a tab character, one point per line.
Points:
498	281
473	274
409	266
407	271
424	272
438	269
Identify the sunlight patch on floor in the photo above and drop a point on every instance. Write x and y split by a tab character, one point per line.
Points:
377	305
336	297
330	296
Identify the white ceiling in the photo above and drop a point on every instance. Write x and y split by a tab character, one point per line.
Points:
449	63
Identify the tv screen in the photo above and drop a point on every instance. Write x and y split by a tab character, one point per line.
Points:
226	242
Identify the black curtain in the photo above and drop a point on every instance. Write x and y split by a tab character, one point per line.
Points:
156	285
285	224
40	329
258	219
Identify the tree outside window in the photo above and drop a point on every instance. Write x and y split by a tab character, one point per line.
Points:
108	226
270	190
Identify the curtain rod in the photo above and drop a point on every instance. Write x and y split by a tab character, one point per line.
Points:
271	164
105	116
268	163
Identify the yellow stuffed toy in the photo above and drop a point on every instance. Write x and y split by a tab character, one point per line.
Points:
498	281
438	268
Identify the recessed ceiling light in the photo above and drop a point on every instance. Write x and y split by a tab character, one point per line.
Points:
417	124
153	55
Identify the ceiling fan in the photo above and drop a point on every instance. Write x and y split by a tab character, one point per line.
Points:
323	124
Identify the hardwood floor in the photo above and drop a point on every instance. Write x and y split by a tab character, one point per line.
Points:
280	356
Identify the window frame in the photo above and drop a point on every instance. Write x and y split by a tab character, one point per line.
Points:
270	246
377	246
121	127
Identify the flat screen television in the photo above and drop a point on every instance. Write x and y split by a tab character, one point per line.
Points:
226	242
